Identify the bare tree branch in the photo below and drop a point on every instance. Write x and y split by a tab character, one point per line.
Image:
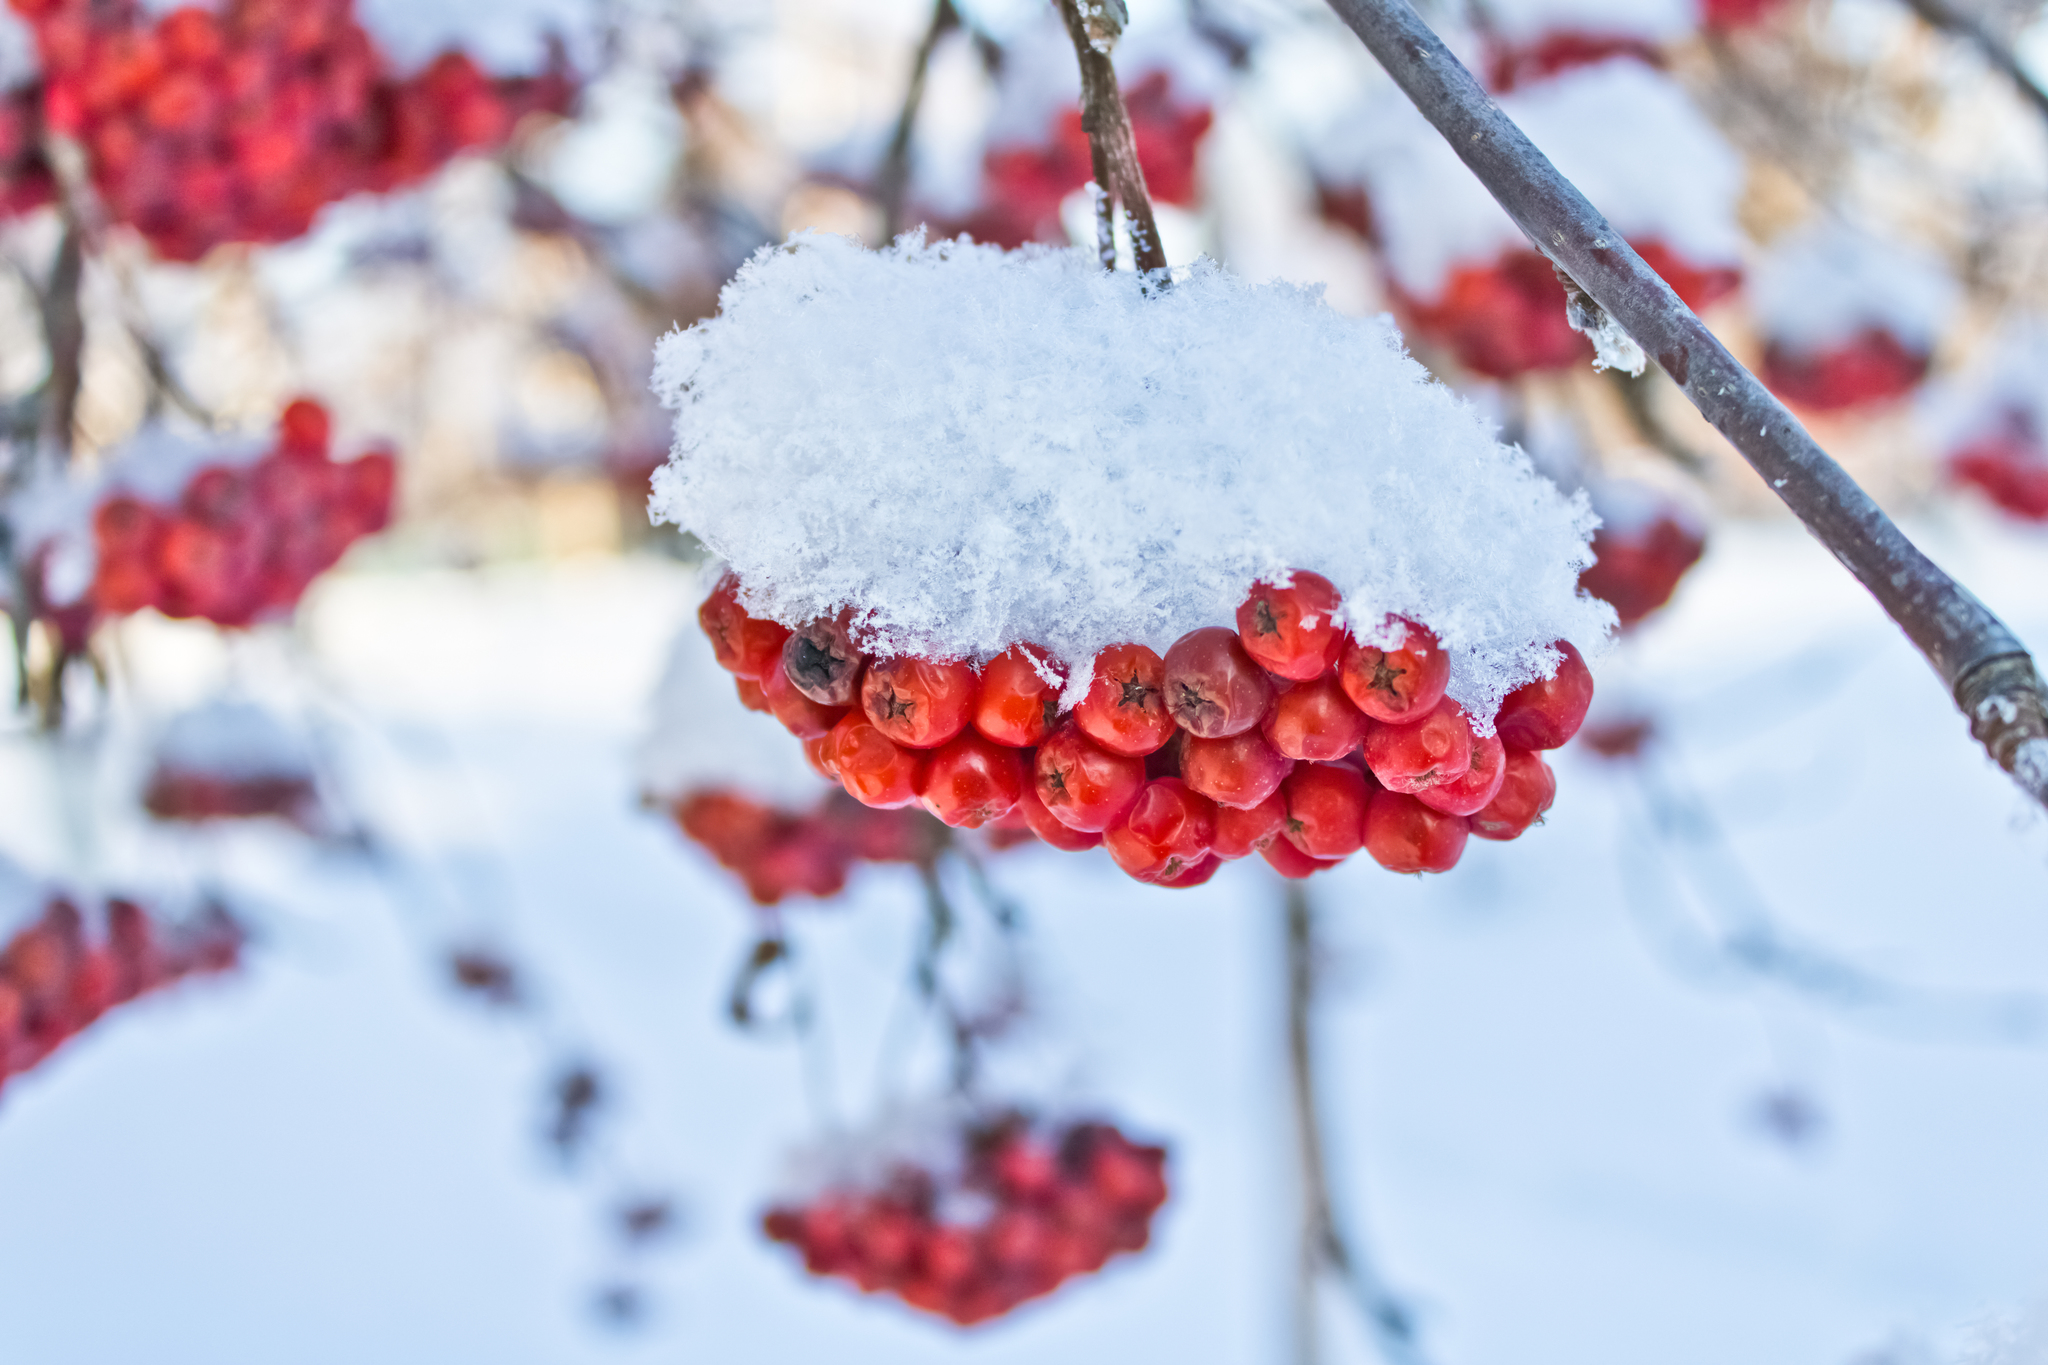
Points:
1991	677
1095	25
892	180
64	335
1946	17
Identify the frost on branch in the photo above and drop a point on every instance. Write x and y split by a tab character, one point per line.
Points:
974	449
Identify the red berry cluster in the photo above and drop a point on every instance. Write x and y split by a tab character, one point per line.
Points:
1026	1212
1024	185
205	127
1510	66
2009	465
1287	737
779	853
243	542
1638	569
55	979
1873	366
191	796
25	179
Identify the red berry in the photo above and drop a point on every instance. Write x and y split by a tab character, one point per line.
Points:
814	754
744	645
751	695
799	715
1017	707
1193	876
1168	831
1243	832
1292	632
971	781
1400	683
1325	809
874	769
1403	835
1084	786
1468	794
1213	689
1290	862
918	703
1242	771
1527	788
1423	753
1048	828
1125	709
1545	713
1315	721
821	660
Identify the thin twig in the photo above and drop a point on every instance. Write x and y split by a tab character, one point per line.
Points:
1940	14
1990	675
1634	390
1324	1249
1095	25
64	336
892	179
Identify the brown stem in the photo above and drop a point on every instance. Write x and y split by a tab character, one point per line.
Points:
1095	25
1634	390
892	180
64	335
1942	15
1990	675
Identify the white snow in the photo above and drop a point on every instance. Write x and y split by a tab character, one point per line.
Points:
232	739
505	37
1652	21
22	898
2004	384
700	737
1820	285
976	449
1627	136
18	65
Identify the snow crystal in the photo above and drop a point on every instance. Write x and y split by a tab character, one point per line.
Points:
1626	135
701	737
975	448
1820	285
237	740
1652	21
506	37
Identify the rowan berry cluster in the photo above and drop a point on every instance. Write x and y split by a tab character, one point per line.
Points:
2009	466
780	853
56	978
192	796
1638	568
243	542
1288	737
1023	1211
1872	366
239	124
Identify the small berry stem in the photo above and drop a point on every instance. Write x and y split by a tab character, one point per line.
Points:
1990	675
1111	145
892	180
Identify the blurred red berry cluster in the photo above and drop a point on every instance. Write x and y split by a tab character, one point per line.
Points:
192	796
1638	567
239	124
1288	737
242	542
1026	1211
2009	466
1873	366
56	977
779	853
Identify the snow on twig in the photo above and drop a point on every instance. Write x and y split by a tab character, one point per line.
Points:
1990	674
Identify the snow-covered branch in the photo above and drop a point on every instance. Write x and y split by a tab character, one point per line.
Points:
1095	25
1991	676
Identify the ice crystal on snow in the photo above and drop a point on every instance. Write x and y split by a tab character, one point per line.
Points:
974	448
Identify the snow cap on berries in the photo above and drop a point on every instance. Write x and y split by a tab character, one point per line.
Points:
974	448
1821	285
238	740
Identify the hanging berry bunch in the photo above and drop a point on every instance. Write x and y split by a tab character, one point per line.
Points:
1646	543
1988	422
780	853
203	127
230	761
58	975
1007	1212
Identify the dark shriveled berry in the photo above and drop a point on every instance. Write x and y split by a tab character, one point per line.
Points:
823	664
1213	689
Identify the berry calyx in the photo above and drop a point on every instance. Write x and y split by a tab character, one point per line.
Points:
1325	809
1242	832
1213	689
1545	713
1018	706
1315	721
1403	835
744	645
1469	794
1242	771
1398	683
1527	788
823	664
1168	832
1083	785
1125	709
917	703
1292	632
971	781
874	769
1426	752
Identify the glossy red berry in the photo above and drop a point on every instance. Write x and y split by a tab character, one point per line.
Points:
1290	862
823	663
1125	709
751	695
1396	684
1325	809
1292	632
1425	752
799	715
1084	785
1242	832
744	645
1468	794
971	781
918	703
1168	832
1527	788
302	428
1545	713
874	769
1213	689
1018	706
1242	771
1049	829
1403	835
1315	721
1192	876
